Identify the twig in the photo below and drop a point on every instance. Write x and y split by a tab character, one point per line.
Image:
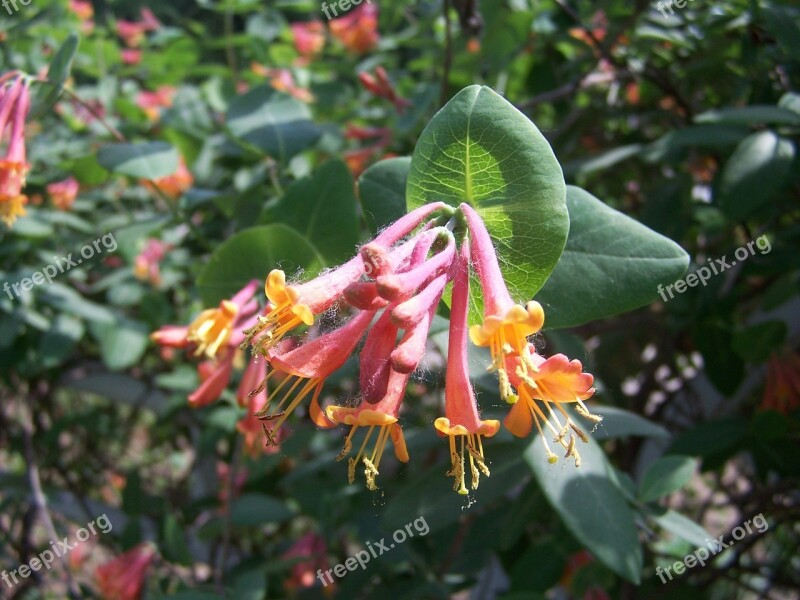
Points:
226	533
39	499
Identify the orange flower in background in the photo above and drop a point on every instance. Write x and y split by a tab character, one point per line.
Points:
123	578
152	102
14	107
283	81
63	193
309	38
782	389
172	186
82	8
358	29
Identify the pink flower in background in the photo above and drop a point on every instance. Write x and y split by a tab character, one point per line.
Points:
283	81
314	552
14	107
63	193
152	102
147	262
309	38
172	186
381	86
131	56
123	578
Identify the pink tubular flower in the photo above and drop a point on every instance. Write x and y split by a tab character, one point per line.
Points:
146	264
250	426
63	193
358	29
307	367
152	102
123	577
215	333
295	305
131	56
314	552
383	415
506	325
14	107
309	38
381	86
461	411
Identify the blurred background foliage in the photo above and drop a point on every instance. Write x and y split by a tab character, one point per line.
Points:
243	113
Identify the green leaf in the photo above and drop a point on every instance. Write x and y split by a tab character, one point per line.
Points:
757	169
666	475
323	208
382	190
122	342
712	439
481	150
250	510
683	527
591	506
622	423
60	340
612	264
68	300
272	122
148	160
252	254
750	115
59	71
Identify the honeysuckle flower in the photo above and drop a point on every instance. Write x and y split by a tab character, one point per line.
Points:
309	38
358	29
283	81
313	551
381	86
82	8
146	265
461	423
172	186
153	102
14	107
213	327
383	415
293	305
63	193
555	381
131	56
506	325
214	376
123	577
307	367
782	388
131	32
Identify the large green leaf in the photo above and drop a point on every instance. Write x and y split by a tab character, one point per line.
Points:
252	254
481	150
323	208
148	160
382	191
271	122
757	169
612	264
591	506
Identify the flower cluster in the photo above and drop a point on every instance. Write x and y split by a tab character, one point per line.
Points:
14	107
388	295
